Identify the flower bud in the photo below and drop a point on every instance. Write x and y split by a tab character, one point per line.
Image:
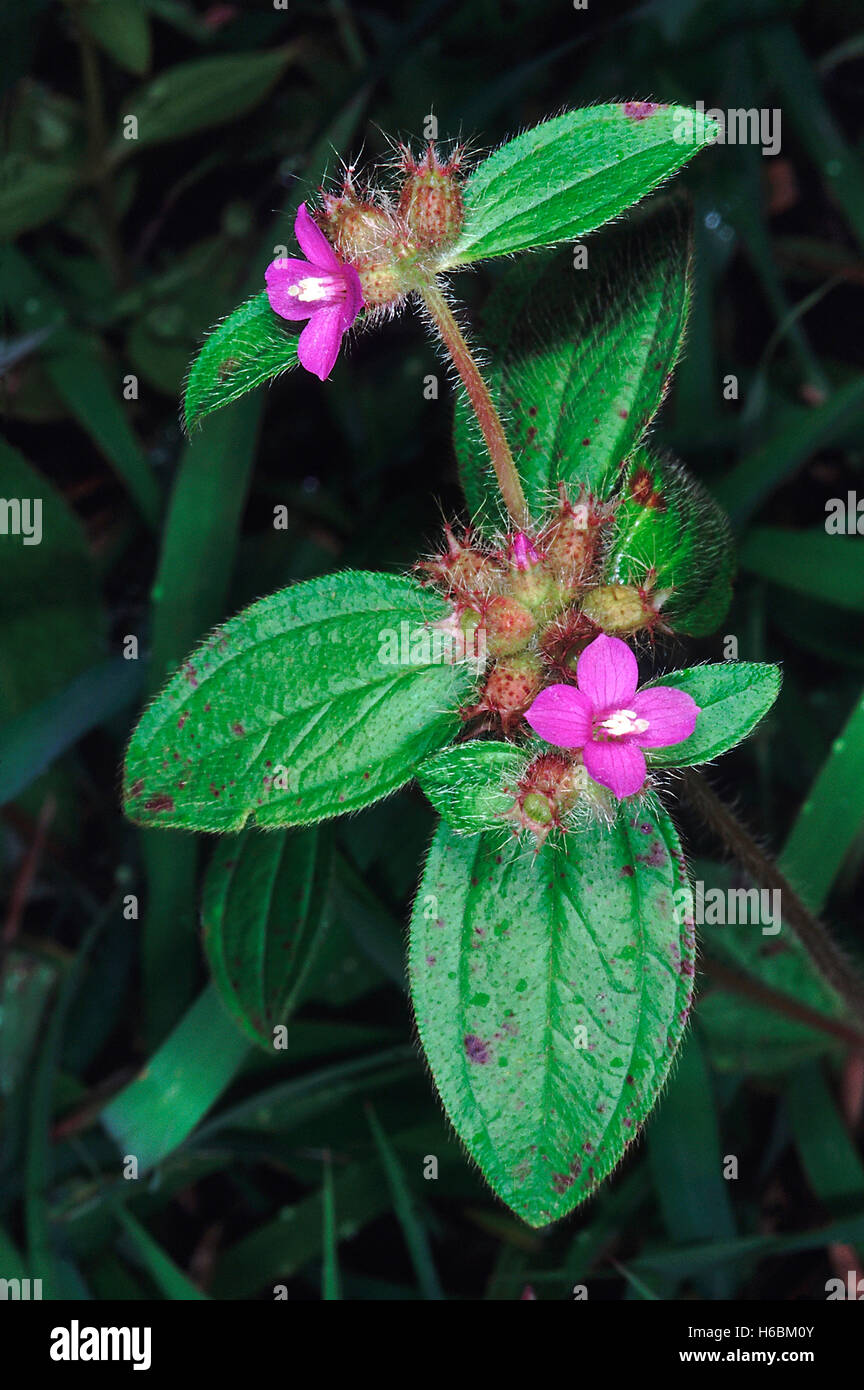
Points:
548	789
431	200
510	687
509	626
563	640
356	228
572	538
620	608
462	569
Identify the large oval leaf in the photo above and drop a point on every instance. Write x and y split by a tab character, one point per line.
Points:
262	913
550	996
581	360
315	701
571	174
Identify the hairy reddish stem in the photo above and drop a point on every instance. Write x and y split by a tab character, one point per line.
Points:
488	419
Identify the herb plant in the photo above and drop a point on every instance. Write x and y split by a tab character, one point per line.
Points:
552	946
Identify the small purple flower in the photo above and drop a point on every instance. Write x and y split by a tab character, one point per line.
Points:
609	719
322	289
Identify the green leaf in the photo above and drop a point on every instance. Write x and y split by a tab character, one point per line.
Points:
282	1108
262	915
470	783
831	817
732	697
407	1212
123	29
31	742
799	432
26	986
250	346
816	563
577	372
688	1260
199	95
839	163
31	193
744	1035
171	1281
77	369
511	958
157	1111
686	1161
278	1249
315	701
670	534
80	373
827	1151
331	1283
54	580
569	175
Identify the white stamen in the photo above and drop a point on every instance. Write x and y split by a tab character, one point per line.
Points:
624	721
313	288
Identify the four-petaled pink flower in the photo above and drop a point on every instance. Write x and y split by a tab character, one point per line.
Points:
609	719
322	289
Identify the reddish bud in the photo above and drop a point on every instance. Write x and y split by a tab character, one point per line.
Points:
509	626
510	687
462	569
375	240
562	641
431	199
572	538
356	228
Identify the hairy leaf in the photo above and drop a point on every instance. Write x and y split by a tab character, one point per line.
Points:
262	919
472	785
551	993
732	699
571	174
317	700
669	534
250	346
581	361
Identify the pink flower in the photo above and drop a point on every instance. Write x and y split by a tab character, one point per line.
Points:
522	554
609	719
322	289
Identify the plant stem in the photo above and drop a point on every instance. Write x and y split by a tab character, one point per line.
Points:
779	1003
827	957
488	419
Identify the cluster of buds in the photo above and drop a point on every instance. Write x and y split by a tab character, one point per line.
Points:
395	243
524	609
529	606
